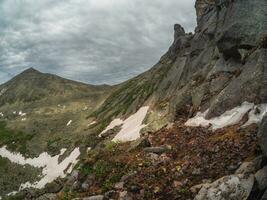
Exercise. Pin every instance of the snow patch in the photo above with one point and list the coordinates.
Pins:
(69, 123)
(85, 108)
(230, 117)
(256, 115)
(22, 114)
(51, 168)
(113, 124)
(131, 127)
(1, 114)
(23, 119)
(12, 193)
(92, 123)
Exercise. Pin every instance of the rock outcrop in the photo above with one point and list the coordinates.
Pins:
(218, 67)
(262, 135)
(229, 187)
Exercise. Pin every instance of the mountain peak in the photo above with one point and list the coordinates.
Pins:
(31, 70)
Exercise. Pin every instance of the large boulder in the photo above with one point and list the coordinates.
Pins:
(231, 187)
(261, 177)
(262, 135)
(264, 197)
(250, 167)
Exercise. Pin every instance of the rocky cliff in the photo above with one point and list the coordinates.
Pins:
(219, 69)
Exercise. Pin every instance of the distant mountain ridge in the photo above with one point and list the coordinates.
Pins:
(32, 85)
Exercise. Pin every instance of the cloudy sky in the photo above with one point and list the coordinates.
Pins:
(94, 41)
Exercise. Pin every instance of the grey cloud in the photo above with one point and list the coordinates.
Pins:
(95, 41)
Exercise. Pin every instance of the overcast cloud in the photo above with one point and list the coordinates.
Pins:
(94, 41)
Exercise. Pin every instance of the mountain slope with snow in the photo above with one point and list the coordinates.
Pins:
(181, 130)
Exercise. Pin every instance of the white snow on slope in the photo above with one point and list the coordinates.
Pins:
(52, 169)
(22, 114)
(12, 193)
(131, 127)
(69, 122)
(1, 114)
(256, 114)
(230, 117)
(92, 123)
(113, 124)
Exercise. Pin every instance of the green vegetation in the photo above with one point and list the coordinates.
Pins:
(13, 175)
(111, 146)
(15, 140)
(106, 170)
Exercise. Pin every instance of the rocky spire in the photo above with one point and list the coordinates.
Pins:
(178, 31)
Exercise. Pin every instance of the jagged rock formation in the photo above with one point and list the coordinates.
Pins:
(219, 67)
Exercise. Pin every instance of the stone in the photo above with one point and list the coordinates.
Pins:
(128, 176)
(261, 178)
(97, 197)
(125, 196)
(196, 171)
(47, 197)
(229, 187)
(142, 142)
(250, 167)
(196, 188)
(178, 185)
(88, 182)
(73, 177)
(53, 187)
(157, 150)
(262, 135)
(119, 185)
(110, 194)
(264, 196)
(76, 186)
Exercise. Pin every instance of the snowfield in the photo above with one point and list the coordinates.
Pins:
(131, 127)
(51, 168)
(230, 117)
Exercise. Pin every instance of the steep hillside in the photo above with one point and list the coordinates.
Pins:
(46, 105)
(216, 76)
(219, 67)
(43, 113)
